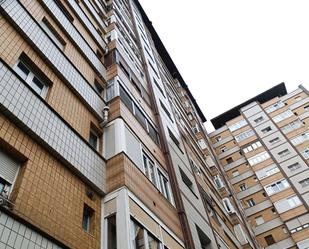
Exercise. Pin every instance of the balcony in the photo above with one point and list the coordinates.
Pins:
(223, 192)
(213, 170)
(234, 219)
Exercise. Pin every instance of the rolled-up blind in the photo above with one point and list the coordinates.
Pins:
(8, 167)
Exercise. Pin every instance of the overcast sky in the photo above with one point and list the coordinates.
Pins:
(231, 50)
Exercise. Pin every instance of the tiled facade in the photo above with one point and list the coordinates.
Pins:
(102, 144)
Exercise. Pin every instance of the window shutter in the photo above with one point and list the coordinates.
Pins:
(8, 167)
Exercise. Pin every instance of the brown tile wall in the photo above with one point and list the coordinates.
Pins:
(49, 195)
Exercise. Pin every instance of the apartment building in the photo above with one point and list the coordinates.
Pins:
(263, 147)
(102, 144)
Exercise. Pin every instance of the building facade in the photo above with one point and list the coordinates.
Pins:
(262, 146)
(102, 144)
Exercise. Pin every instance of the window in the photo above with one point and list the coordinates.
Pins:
(252, 146)
(294, 166)
(228, 205)
(282, 116)
(235, 173)
(229, 160)
(259, 220)
(261, 157)
(250, 202)
(164, 186)
(238, 125)
(284, 153)
(277, 187)
(258, 120)
(88, 216)
(274, 107)
(31, 79)
(306, 107)
(111, 232)
(242, 187)
(139, 115)
(93, 139)
(268, 171)
(202, 144)
(99, 89)
(274, 140)
(294, 201)
(265, 130)
(53, 34)
(156, 175)
(291, 126)
(195, 129)
(305, 153)
(158, 86)
(204, 240)
(269, 240)
(298, 98)
(223, 149)
(218, 138)
(149, 168)
(186, 180)
(174, 139)
(300, 138)
(304, 183)
(218, 182)
(287, 204)
(8, 172)
(244, 135)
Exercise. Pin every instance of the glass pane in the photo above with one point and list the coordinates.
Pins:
(152, 172)
(152, 242)
(153, 134)
(137, 236)
(22, 70)
(125, 98)
(140, 117)
(37, 85)
(112, 237)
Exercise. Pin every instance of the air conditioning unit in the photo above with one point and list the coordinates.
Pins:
(228, 206)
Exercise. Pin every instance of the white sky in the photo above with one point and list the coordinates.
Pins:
(229, 51)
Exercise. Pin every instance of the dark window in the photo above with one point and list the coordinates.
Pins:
(158, 86)
(153, 134)
(269, 240)
(88, 215)
(99, 89)
(140, 117)
(204, 240)
(229, 160)
(93, 140)
(175, 140)
(186, 180)
(111, 233)
(267, 129)
(125, 98)
(166, 111)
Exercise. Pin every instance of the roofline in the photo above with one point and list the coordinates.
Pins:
(276, 91)
(167, 58)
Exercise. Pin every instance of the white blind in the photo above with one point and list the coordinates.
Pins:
(8, 167)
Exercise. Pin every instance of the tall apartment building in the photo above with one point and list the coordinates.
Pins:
(263, 147)
(102, 144)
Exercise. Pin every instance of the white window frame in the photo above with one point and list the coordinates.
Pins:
(261, 157)
(30, 77)
(244, 135)
(276, 187)
(282, 116)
